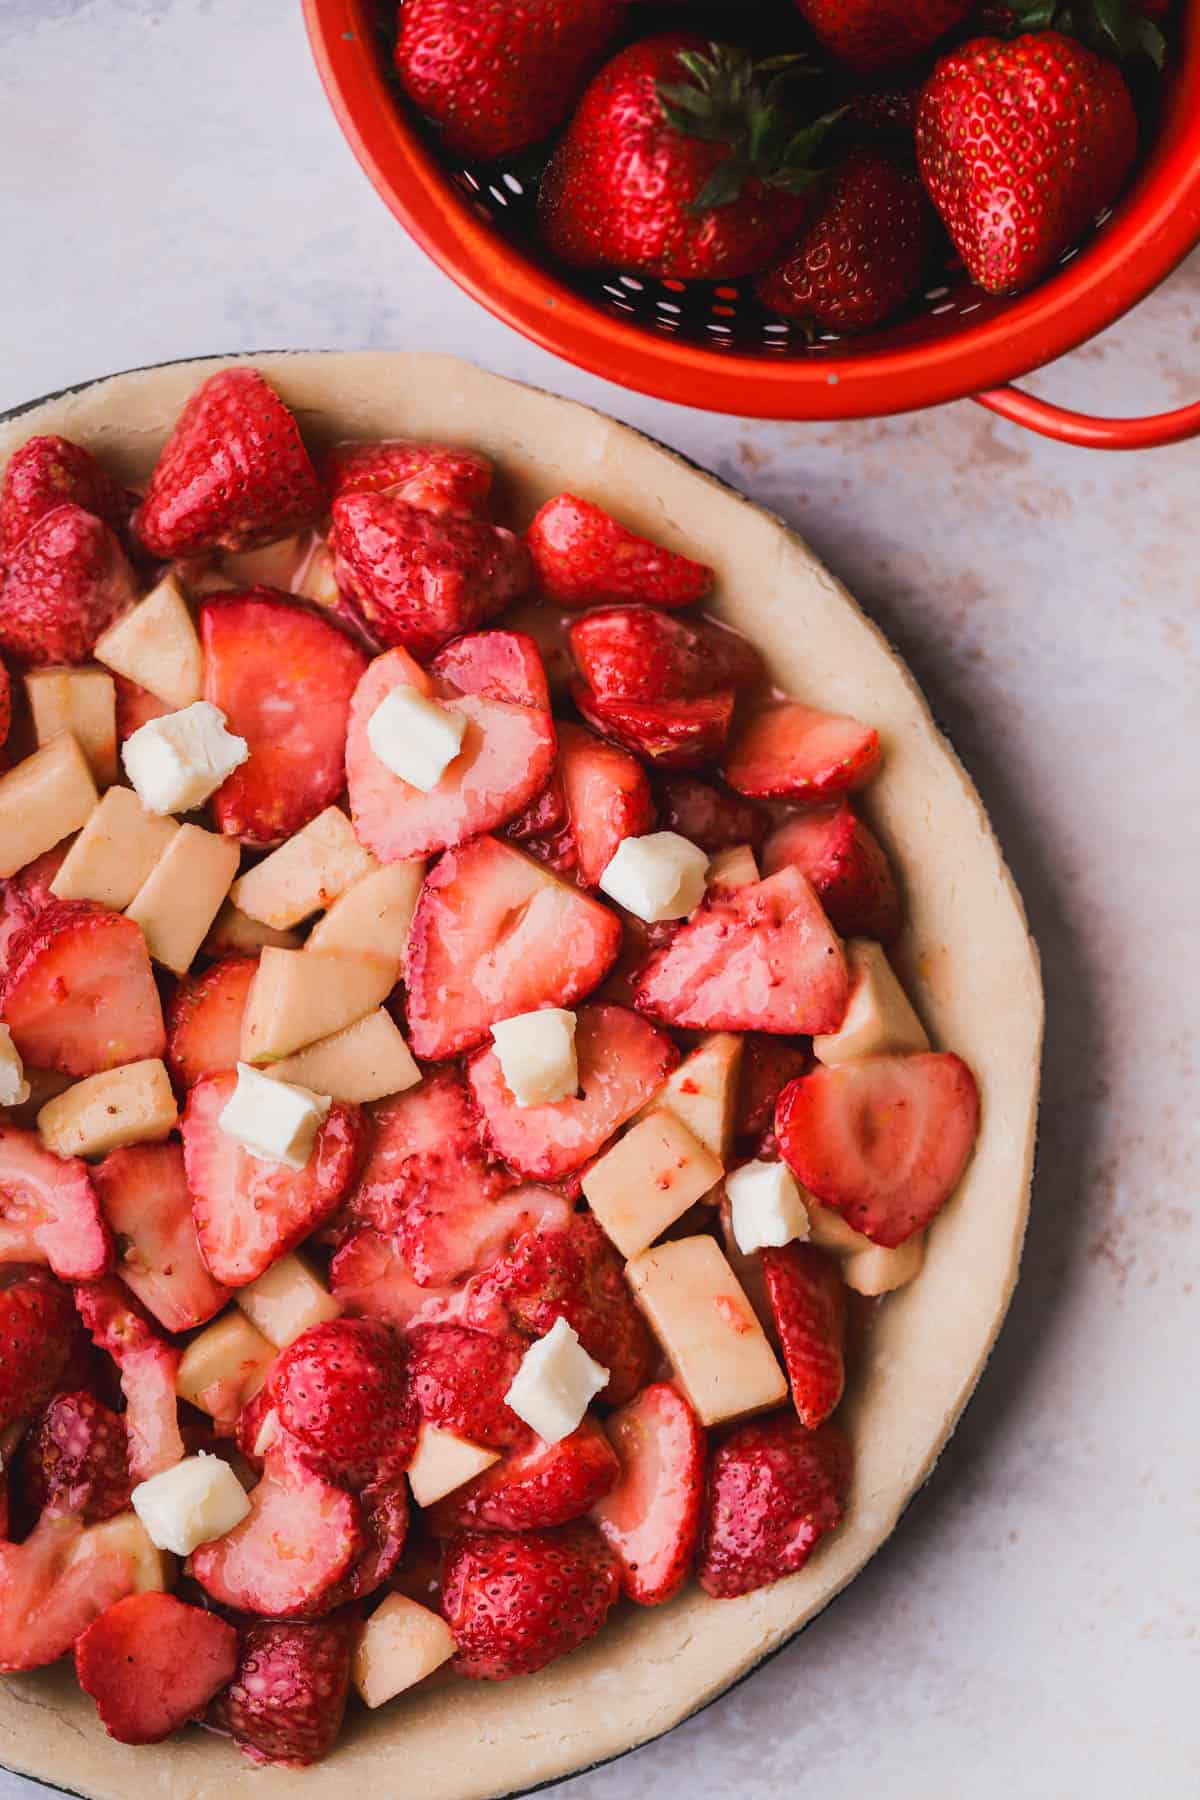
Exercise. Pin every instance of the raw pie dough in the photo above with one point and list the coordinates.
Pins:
(968, 963)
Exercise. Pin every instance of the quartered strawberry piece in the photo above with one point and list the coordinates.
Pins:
(774, 1490)
(642, 653)
(288, 1694)
(54, 1584)
(605, 799)
(49, 472)
(583, 557)
(145, 1198)
(385, 1516)
(148, 1366)
(65, 582)
(370, 1277)
(651, 1518)
(79, 994)
(39, 1335)
(845, 863)
(622, 1059)
(672, 734)
(460, 1377)
(136, 706)
(494, 935)
(24, 896)
(431, 476)
(76, 1460)
(151, 1663)
(882, 1141)
(248, 1212)
(49, 1211)
(284, 678)
(232, 475)
(504, 1594)
(768, 1064)
(506, 757)
(756, 958)
(790, 751)
(536, 1486)
(808, 1302)
(204, 1019)
(420, 578)
(708, 816)
(341, 1390)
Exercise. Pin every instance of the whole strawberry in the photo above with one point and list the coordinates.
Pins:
(48, 472)
(873, 34)
(516, 1600)
(66, 581)
(342, 1389)
(286, 1700)
(1021, 142)
(499, 75)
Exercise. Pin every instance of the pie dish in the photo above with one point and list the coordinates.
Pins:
(931, 1339)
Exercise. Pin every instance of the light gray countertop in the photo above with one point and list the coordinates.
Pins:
(172, 183)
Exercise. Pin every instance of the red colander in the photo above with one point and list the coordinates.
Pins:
(710, 345)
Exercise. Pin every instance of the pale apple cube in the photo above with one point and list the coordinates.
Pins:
(555, 1384)
(415, 737)
(134, 1104)
(83, 702)
(43, 800)
(179, 899)
(829, 1231)
(373, 917)
(367, 1061)
(876, 1271)
(177, 761)
(155, 644)
(191, 1503)
(306, 874)
(233, 932)
(703, 1091)
(659, 876)
(701, 1316)
(274, 1121)
(271, 565)
(124, 1536)
(298, 997)
(115, 852)
(733, 868)
(402, 1642)
(14, 1089)
(536, 1053)
(316, 577)
(766, 1205)
(224, 1366)
(879, 1018)
(286, 1300)
(443, 1461)
(648, 1180)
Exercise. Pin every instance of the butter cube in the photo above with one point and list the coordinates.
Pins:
(659, 876)
(155, 644)
(299, 996)
(732, 868)
(114, 853)
(14, 1089)
(766, 1206)
(178, 901)
(224, 1366)
(876, 1271)
(703, 1091)
(273, 1120)
(648, 1180)
(233, 931)
(879, 1018)
(367, 1061)
(536, 1053)
(191, 1503)
(402, 1642)
(306, 874)
(700, 1314)
(373, 917)
(555, 1384)
(444, 1461)
(175, 762)
(130, 1105)
(83, 702)
(415, 737)
(43, 800)
(286, 1300)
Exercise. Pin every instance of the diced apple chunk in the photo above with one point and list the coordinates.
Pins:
(130, 1105)
(701, 1316)
(297, 998)
(234, 933)
(224, 1366)
(271, 565)
(443, 1462)
(876, 1271)
(401, 1643)
(83, 702)
(286, 1300)
(316, 577)
(367, 1061)
(373, 917)
(114, 853)
(879, 1019)
(703, 1090)
(734, 867)
(155, 644)
(43, 800)
(306, 874)
(648, 1180)
(829, 1231)
(180, 898)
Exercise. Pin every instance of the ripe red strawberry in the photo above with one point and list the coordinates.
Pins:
(651, 1519)
(48, 472)
(755, 958)
(605, 797)
(79, 994)
(494, 935)
(136, 706)
(151, 1663)
(65, 582)
(790, 751)
(148, 1366)
(672, 734)
(460, 1377)
(774, 1490)
(808, 1302)
(232, 475)
(53, 1585)
(431, 476)
(516, 1600)
(623, 1060)
(419, 578)
(76, 1460)
(385, 1517)
(543, 823)
(145, 1199)
(583, 557)
(874, 34)
(342, 1390)
(536, 1486)
(288, 1694)
(370, 1277)
(643, 653)
(847, 866)
(498, 665)
(284, 678)
(885, 114)
(444, 1237)
(49, 1212)
(38, 1336)
(1021, 142)
(706, 815)
(768, 1064)
(204, 1019)
(23, 896)
(249, 1212)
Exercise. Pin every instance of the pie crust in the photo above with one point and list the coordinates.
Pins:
(968, 963)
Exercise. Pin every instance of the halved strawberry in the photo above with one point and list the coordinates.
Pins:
(445, 1236)
(232, 475)
(642, 653)
(494, 935)
(542, 823)
(756, 958)
(48, 472)
(790, 751)
(151, 1663)
(136, 706)
(671, 734)
(204, 1019)
(385, 1516)
(638, 943)
(248, 1212)
(79, 995)
(145, 1198)
(39, 1335)
(370, 1278)
(707, 815)
(768, 1064)
(421, 578)
(23, 896)
(284, 678)
(148, 1366)
(808, 1301)
(517, 1600)
(66, 581)
(288, 1694)
(431, 476)
(622, 1059)
(76, 1460)
(774, 1490)
(460, 1377)
(49, 1211)
(506, 757)
(606, 798)
(583, 557)
(846, 865)
(535, 1486)
(651, 1519)
(882, 1141)
(341, 1390)
(54, 1584)
(497, 665)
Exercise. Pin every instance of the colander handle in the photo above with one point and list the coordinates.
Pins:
(1092, 434)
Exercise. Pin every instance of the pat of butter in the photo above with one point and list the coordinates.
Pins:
(660, 876)
(555, 1384)
(766, 1206)
(536, 1053)
(414, 737)
(177, 761)
(274, 1120)
(190, 1504)
(14, 1089)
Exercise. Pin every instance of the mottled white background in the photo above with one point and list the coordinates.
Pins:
(171, 183)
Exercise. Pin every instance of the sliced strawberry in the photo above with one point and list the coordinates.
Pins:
(708, 816)
(385, 1516)
(671, 734)
(642, 653)
(606, 798)
(54, 1584)
(67, 580)
(506, 757)
(421, 578)
(756, 958)
(24, 896)
(882, 1141)
(38, 1337)
(430, 476)
(288, 1695)
(341, 1389)
(791, 751)
(768, 1064)
(460, 1377)
(76, 1460)
(204, 1019)
(444, 1236)
(517, 1600)
(248, 1212)
(148, 1366)
(79, 995)
(622, 1060)
(370, 1277)
(651, 1519)
(48, 472)
(638, 942)
(845, 863)
(145, 1198)
(583, 557)
(48, 1210)
(284, 678)
(537, 1485)
(494, 935)
(544, 818)
(136, 706)
(151, 1663)
(774, 1490)
(232, 475)
(808, 1301)
(497, 665)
